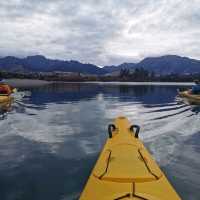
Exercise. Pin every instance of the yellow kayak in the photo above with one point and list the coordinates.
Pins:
(125, 170)
(186, 94)
(5, 98)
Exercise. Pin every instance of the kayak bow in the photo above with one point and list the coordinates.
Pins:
(187, 95)
(5, 98)
(125, 170)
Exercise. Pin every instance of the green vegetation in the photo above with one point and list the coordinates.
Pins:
(142, 75)
(125, 75)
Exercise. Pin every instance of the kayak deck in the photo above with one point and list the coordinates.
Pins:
(189, 96)
(125, 170)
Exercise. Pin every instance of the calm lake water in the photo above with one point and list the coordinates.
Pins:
(52, 136)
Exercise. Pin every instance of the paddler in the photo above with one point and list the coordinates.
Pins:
(196, 88)
(5, 89)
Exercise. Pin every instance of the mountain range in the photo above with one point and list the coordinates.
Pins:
(162, 65)
(39, 63)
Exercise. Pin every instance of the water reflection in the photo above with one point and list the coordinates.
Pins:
(72, 92)
(51, 138)
(196, 109)
(4, 108)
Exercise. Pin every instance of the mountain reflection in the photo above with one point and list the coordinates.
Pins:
(51, 138)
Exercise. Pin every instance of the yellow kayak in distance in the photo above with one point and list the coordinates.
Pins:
(5, 98)
(192, 98)
(125, 169)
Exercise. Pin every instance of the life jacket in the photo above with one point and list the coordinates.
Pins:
(5, 89)
(196, 89)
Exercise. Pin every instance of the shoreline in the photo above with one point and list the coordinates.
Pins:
(130, 83)
(21, 83)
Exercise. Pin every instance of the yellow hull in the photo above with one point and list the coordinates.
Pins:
(193, 98)
(5, 98)
(125, 170)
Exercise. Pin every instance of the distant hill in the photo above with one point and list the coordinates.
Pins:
(113, 68)
(170, 64)
(162, 65)
(39, 63)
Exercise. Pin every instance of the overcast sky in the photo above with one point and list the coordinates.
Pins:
(102, 32)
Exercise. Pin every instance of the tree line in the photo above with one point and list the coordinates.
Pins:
(138, 75)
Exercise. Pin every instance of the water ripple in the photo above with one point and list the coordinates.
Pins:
(51, 132)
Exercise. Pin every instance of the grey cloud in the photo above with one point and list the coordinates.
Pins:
(100, 32)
